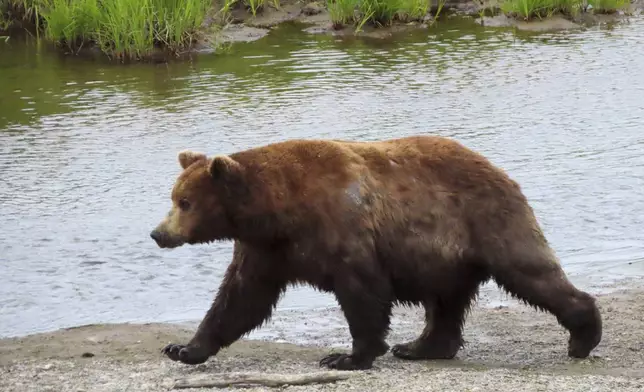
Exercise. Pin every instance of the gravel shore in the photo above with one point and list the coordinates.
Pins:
(508, 348)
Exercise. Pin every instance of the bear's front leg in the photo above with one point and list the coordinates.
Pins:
(365, 299)
(246, 298)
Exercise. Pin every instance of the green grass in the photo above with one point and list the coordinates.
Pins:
(376, 12)
(178, 20)
(412, 9)
(70, 23)
(254, 5)
(342, 12)
(530, 9)
(123, 29)
(228, 5)
(608, 6)
(14, 12)
(379, 12)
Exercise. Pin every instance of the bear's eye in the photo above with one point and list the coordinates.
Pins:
(184, 204)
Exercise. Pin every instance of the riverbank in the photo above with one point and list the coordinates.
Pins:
(507, 349)
(528, 15)
(169, 29)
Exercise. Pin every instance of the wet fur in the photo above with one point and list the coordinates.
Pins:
(417, 221)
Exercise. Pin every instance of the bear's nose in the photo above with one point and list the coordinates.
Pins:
(156, 235)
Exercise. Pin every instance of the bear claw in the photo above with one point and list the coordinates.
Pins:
(344, 362)
(411, 351)
(402, 351)
(185, 354)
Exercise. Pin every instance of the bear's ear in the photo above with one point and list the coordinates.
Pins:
(187, 158)
(223, 166)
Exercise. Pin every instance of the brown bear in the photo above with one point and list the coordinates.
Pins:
(417, 220)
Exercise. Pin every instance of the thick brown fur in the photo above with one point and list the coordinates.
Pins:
(416, 220)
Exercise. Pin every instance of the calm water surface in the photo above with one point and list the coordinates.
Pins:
(88, 152)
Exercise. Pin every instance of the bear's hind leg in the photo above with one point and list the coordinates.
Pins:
(366, 303)
(543, 284)
(442, 336)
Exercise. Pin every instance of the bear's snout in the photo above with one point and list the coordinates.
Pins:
(157, 236)
(165, 239)
(161, 238)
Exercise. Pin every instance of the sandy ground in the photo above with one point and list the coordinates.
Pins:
(507, 348)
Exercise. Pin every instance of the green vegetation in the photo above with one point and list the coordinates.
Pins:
(529, 9)
(123, 29)
(416, 9)
(13, 12)
(378, 12)
(255, 5)
(608, 6)
(341, 12)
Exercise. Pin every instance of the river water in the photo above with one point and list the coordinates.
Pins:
(88, 152)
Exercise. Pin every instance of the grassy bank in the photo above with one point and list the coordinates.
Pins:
(380, 12)
(123, 29)
(139, 29)
(384, 12)
(531, 9)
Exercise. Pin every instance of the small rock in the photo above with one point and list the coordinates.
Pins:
(48, 366)
(87, 355)
(312, 8)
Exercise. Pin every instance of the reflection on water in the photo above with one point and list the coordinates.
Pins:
(88, 151)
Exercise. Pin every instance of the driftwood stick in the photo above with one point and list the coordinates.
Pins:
(269, 380)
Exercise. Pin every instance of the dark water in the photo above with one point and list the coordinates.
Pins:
(88, 151)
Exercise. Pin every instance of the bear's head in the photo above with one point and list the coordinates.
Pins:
(200, 197)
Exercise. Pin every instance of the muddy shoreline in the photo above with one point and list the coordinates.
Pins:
(507, 347)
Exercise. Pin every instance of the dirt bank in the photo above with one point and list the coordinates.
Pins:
(507, 349)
